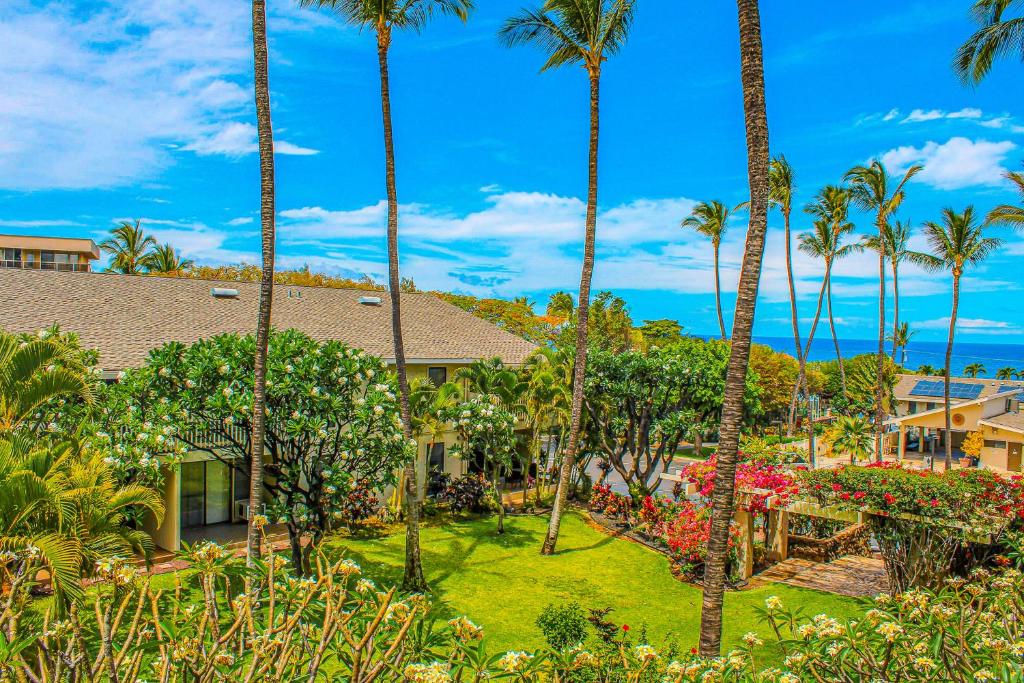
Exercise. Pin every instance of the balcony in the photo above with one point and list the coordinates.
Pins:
(49, 265)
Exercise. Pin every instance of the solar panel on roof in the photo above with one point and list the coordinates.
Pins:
(935, 388)
(1010, 387)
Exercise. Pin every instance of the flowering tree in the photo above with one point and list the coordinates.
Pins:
(332, 422)
(642, 404)
(775, 479)
(488, 429)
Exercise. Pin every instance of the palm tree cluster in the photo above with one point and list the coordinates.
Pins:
(133, 252)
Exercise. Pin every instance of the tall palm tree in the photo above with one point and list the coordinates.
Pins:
(959, 242)
(710, 220)
(901, 336)
(576, 33)
(830, 210)
(265, 134)
(782, 186)
(996, 37)
(129, 246)
(1006, 373)
(164, 260)
(869, 189)
(383, 17)
(1010, 214)
(723, 498)
(974, 369)
(896, 241)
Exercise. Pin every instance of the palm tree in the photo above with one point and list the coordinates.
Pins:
(576, 33)
(958, 242)
(974, 369)
(869, 189)
(33, 374)
(383, 17)
(852, 436)
(929, 370)
(830, 209)
(164, 260)
(996, 37)
(427, 405)
(560, 305)
(896, 241)
(548, 398)
(265, 135)
(129, 248)
(1006, 373)
(710, 220)
(780, 177)
(1009, 214)
(723, 498)
(900, 338)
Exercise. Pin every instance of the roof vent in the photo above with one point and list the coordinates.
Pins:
(223, 293)
(370, 300)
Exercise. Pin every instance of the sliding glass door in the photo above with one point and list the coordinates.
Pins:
(205, 493)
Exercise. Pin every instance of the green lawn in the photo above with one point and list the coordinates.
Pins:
(502, 583)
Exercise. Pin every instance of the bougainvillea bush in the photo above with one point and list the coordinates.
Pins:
(924, 522)
(758, 474)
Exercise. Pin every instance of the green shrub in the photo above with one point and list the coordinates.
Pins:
(563, 626)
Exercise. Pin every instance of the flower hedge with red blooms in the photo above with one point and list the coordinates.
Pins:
(607, 502)
(749, 475)
(967, 496)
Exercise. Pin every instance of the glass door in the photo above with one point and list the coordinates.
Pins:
(193, 494)
(218, 492)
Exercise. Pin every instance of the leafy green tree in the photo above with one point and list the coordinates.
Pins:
(513, 316)
(662, 331)
(486, 428)
(561, 305)
(548, 399)
(959, 242)
(427, 406)
(777, 375)
(129, 247)
(576, 33)
(711, 220)
(1006, 373)
(642, 404)
(332, 421)
(609, 322)
(383, 17)
(492, 377)
(830, 210)
(164, 260)
(996, 36)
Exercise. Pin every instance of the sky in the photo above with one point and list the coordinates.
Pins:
(142, 109)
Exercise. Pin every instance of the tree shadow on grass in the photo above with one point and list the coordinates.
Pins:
(583, 548)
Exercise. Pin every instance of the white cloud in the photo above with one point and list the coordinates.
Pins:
(237, 139)
(6, 223)
(892, 114)
(241, 220)
(491, 188)
(106, 94)
(974, 325)
(954, 164)
(919, 115)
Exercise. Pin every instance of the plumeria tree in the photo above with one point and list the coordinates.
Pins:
(486, 429)
(332, 422)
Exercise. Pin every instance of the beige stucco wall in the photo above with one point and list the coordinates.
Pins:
(168, 534)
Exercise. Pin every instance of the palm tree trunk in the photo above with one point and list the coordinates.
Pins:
(718, 295)
(413, 580)
(880, 361)
(801, 360)
(835, 339)
(895, 308)
(723, 498)
(582, 316)
(265, 133)
(948, 438)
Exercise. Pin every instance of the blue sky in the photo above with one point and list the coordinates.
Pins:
(142, 109)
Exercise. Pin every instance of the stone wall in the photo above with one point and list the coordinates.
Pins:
(853, 540)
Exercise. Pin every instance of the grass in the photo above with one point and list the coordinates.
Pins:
(502, 583)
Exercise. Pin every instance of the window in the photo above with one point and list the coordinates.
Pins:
(46, 260)
(931, 406)
(911, 407)
(995, 444)
(10, 258)
(437, 376)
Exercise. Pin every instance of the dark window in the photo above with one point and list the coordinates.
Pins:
(10, 258)
(435, 458)
(994, 444)
(438, 376)
(911, 407)
(931, 406)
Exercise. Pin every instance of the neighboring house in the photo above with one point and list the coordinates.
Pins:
(125, 316)
(989, 406)
(47, 253)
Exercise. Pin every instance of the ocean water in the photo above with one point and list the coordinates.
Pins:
(992, 356)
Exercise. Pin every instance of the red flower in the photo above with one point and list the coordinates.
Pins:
(837, 487)
(625, 627)
(845, 496)
(693, 650)
(858, 495)
(889, 498)
(934, 503)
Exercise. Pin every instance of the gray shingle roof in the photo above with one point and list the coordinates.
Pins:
(126, 316)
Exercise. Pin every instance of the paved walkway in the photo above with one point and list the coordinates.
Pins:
(851, 575)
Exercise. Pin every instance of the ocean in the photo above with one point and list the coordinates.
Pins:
(992, 356)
